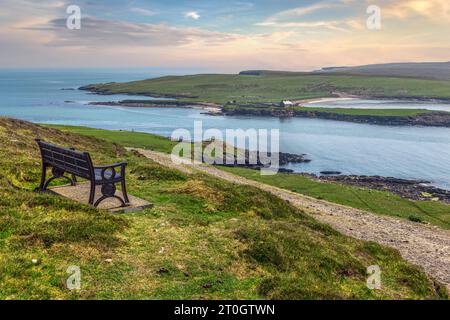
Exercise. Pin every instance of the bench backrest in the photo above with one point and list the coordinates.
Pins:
(69, 160)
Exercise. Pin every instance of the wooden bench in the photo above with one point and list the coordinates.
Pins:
(79, 164)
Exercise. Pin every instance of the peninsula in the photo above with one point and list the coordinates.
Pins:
(258, 93)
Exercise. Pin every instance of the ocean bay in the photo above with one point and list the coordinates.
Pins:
(402, 152)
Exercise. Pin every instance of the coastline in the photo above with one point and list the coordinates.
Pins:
(416, 190)
(422, 118)
(409, 189)
(428, 118)
(210, 107)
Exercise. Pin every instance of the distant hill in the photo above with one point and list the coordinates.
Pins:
(271, 73)
(425, 70)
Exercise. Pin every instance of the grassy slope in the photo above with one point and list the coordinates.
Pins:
(126, 138)
(274, 88)
(376, 201)
(204, 239)
(371, 200)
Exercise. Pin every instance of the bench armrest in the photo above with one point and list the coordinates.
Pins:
(115, 165)
(112, 171)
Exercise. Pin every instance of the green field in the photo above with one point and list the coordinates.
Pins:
(204, 239)
(371, 200)
(221, 89)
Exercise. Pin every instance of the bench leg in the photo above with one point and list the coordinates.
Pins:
(57, 173)
(106, 197)
(57, 177)
(109, 191)
(124, 192)
(92, 194)
(74, 180)
(43, 177)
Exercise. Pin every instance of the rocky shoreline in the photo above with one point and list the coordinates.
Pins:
(247, 158)
(419, 190)
(409, 189)
(431, 119)
(283, 158)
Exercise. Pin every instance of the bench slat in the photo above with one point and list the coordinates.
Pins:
(68, 160)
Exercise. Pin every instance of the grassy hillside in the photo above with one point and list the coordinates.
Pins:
(379, 202)
(276, 87)
(371, 200)
(126, 138)
(423, 70)
(204, 239)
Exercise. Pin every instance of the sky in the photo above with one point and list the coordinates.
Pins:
(222, 36)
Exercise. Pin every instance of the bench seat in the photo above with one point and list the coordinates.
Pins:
(107, 175)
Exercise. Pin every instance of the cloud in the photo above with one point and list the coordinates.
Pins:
(241, 5)
(21, 11)
(47, 3)
(34, 34)
(301, 11)
(96, 32)
(192, 14)
(437, 10)
(310, 9)
(144, 12)
(290, 18)
(343, 25)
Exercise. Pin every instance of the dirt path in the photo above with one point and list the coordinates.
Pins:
(423, 245)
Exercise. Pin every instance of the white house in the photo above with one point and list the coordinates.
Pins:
(287, 103)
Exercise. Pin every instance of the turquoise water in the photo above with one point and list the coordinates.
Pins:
(402, 152)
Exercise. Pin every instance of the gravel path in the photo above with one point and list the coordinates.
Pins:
(424, 245)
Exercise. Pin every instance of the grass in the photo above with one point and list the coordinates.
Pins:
(220, 88)
(204, 239)
(126, 138)
(379, 202)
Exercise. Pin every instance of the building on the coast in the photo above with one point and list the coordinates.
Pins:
(286, 103)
